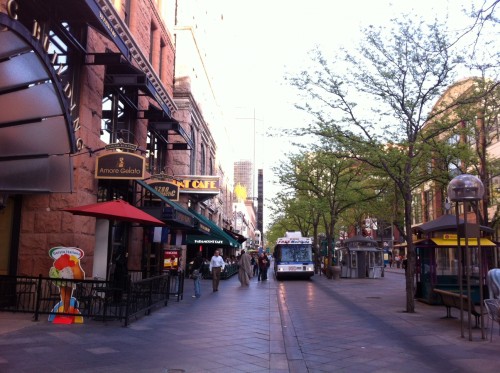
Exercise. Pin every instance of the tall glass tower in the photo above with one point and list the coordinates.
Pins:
(244, 175)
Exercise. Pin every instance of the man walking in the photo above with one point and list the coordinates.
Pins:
(216, 267)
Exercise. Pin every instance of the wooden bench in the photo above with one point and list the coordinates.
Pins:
(452, 299)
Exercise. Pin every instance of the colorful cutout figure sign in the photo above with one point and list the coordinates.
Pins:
(66, 266)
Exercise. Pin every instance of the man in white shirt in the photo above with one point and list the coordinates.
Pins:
(216, 267)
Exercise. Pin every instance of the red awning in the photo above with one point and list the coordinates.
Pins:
(116, 210)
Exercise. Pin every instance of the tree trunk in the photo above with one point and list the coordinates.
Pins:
(411, 256)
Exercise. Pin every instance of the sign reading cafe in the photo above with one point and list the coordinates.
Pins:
(120, 166)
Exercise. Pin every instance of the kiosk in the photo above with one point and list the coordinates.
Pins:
(437, 246)
(360, 257)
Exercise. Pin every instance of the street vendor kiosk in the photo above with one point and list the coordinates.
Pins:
(360, 257)
(437, 248)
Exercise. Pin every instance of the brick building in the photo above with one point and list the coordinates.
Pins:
(91, 111)
(429, 200)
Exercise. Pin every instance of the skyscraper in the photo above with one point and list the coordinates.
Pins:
(244, 175)
(260, 200)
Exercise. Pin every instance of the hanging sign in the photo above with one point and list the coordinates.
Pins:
(165, 188)
(120, 165)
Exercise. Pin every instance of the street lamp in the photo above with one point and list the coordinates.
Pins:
(467, 189)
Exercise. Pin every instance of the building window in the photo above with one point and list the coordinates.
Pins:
(203, 163)
(119, 112)
(454, 165)
(494, 130)
(152, 48)
(156, 157)
(127, 12)
(162, 60)
(68, 61)
(417, 208)
(192, 160)
(428, 208)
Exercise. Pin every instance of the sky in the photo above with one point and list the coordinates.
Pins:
(264, 40)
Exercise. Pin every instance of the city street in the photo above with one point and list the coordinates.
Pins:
(346, 325)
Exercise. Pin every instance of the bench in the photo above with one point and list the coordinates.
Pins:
(452, 299)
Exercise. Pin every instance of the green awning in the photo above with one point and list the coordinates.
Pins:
(216, 234)
(172, 212)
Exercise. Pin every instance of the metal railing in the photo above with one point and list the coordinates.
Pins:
(74, 300)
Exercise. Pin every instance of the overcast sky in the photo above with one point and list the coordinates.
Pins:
(267, 39)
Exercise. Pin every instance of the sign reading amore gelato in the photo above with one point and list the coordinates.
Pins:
(120, 166)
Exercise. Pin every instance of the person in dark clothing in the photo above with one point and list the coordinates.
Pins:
(262, 267)
(255, 265)
(196, 274)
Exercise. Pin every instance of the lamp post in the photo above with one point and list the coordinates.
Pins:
(467, 189)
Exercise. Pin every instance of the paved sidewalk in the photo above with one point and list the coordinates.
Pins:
(346, 325)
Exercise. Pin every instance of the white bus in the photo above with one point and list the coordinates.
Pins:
(293, 256)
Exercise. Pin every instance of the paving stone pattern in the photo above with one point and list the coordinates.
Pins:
(346, 325)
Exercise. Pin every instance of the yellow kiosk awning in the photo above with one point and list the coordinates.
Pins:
(453, 242)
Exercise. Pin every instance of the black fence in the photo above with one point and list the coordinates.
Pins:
(229, 271)
(67, 301)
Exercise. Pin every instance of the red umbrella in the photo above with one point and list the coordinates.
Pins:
(116, 210)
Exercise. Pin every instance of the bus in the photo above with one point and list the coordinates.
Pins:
(293, 257)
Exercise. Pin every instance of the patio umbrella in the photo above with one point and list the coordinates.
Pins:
(116, 210)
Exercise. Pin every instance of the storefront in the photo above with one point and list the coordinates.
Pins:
(216, 239)
(179, 223)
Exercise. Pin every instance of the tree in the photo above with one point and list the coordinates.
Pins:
(335, 184)
(375, 103)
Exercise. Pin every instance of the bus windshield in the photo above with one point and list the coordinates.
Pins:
(296, 253)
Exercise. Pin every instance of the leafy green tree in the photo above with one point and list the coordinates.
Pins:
(376, 102)
(335, 184)
(293, 211)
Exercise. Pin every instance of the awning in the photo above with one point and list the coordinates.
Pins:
(216, 233)
(159, 122)
(120, 73)
(472, 242)
(236, 236)
(172, 212)
(36, 128)
(99, 14)
(101, 21)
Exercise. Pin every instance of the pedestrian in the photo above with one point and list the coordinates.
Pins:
(216, 267)
(405, 263)
(262, 267)
(245, 269)
(196, 273)
(255, 264)
(398, 261)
